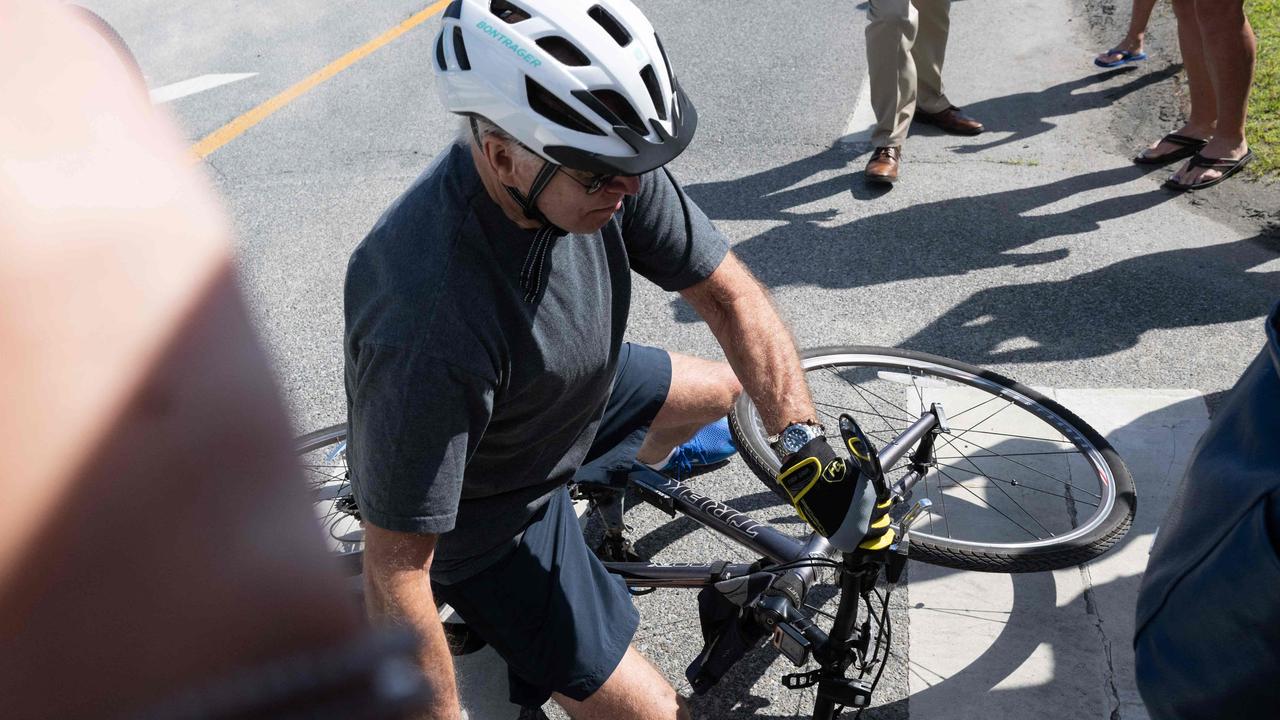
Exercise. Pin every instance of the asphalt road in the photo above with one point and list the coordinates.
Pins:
(1035, 248)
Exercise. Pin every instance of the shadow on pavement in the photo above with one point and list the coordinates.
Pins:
(1103, 613)
(1026, 114)
(1089, 315)
(1107, 310)
(935, 239)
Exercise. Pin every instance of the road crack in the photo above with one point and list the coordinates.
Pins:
(1100, 627)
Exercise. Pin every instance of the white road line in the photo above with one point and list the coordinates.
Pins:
(168, 93)
(863, 120)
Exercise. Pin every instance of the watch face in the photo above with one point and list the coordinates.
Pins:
(795, 437)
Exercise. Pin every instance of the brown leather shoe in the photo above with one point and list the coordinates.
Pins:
(883, 165)
(951, 120)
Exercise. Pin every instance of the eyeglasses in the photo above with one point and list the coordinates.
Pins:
(591, 181)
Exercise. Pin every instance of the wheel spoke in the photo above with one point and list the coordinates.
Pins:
(991, 452)
(981, 473)
(946, 518)
(993, 507)
(993, 398)
(906, 413)
(1014, 483)
(1018, 437)
(837, 409)
(314, 482)
(1016, 454)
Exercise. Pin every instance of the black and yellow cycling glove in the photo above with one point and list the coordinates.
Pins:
(845, 501)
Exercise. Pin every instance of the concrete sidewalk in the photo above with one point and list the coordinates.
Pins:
(1054, 645)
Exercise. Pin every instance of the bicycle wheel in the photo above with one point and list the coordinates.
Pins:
(1018, 483)
(323, 458)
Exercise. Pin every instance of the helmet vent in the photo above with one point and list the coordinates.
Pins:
(671, 77)
(564, 51)
(623, 109)
(460, 49)
(508, 12)
(650, 79)
(554, 109)
(610, 25)
(440, 53)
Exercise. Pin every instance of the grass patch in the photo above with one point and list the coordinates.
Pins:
(1263, 126)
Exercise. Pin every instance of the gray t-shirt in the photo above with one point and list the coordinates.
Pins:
(472, 393)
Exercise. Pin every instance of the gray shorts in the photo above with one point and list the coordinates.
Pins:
(549, 607)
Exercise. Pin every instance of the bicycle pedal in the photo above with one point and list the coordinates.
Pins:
(617, 549)
(800, 681)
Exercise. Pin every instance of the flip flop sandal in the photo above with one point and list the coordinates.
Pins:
(1126, 56)
(1228, 166)
(1187, 146)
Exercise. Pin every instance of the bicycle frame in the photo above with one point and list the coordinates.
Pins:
(833, 651)
(674, 496)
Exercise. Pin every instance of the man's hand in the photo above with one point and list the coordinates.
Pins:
(843, 500)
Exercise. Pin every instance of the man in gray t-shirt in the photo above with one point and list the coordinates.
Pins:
(485, 361)
(453, 372)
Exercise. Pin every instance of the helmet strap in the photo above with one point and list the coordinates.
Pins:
(533, 275)
(534, 270)
(529, 203)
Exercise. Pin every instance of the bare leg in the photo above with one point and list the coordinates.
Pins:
(1229, 48)
(1137, 35)
(701, 391)
(1204, 105)
(635, 691)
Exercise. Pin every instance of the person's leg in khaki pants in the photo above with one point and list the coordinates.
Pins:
(929, 53)
(891, 34)
(906, 47)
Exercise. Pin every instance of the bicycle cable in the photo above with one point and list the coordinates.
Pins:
(888, 647)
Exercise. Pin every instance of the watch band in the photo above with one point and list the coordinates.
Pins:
(808, 428)
(772, 439)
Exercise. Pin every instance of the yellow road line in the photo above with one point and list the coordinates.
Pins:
(235, 128)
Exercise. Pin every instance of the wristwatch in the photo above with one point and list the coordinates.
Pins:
(795, 436)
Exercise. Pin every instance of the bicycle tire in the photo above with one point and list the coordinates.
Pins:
(322, 458)
(1078, 543)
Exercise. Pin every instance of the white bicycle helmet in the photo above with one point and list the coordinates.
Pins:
(582, 83)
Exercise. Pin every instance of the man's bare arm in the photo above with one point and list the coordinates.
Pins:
(397, 587)
(756, 342)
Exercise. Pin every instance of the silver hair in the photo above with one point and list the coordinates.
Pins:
(485, 128)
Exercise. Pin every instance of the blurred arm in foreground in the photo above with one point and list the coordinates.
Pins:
(155, 539)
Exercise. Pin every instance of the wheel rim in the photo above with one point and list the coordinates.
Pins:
(323, 459)
(1036, 471)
